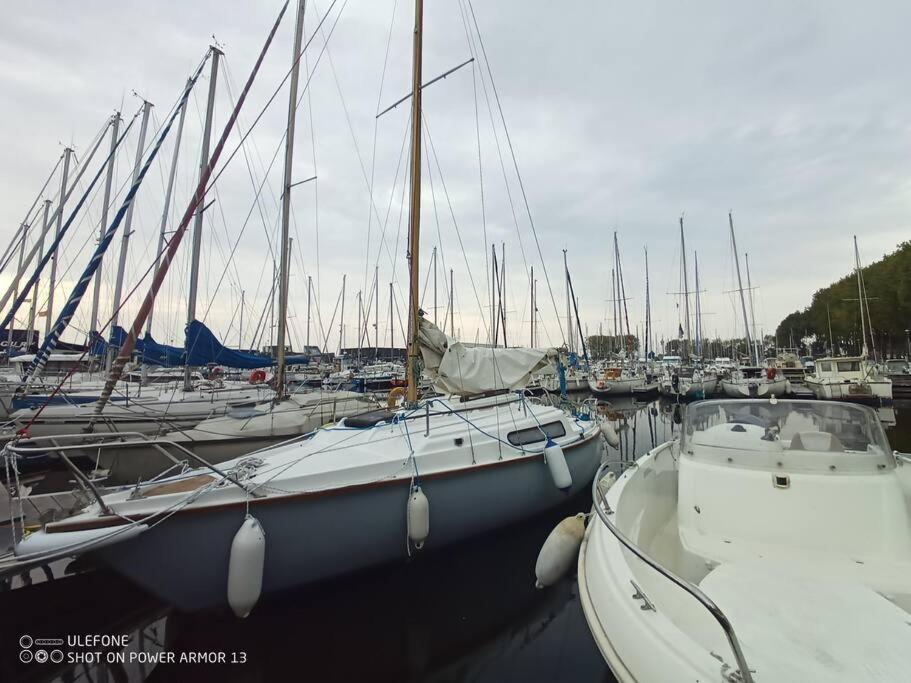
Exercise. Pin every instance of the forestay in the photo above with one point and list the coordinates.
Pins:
(467, 370)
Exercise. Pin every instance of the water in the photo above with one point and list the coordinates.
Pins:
(469, 613)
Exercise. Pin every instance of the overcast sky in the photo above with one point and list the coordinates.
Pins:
(622, 116)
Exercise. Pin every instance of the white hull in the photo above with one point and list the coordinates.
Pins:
(851, 391)
(754, 388)
(813, 572)
(623, 386)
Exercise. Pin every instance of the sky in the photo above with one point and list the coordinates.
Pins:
(618, 117)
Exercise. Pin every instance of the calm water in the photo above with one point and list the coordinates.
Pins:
(469, 613)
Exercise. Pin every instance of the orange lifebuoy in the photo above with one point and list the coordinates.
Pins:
(257, 377)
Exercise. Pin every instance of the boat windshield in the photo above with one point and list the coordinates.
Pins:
(809, 426)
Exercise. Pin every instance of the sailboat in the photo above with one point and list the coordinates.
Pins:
(751, 381)
(355, 494)
(624, 377)
(853, 378)
(688, 380)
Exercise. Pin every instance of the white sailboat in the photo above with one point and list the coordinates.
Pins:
(772, 542)
(355, 494)
(750, 381)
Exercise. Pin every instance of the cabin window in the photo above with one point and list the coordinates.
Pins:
(825, 367)
(849, 366)
(523, 437)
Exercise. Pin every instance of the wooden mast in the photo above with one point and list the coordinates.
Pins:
(285, 243)
(414, 231)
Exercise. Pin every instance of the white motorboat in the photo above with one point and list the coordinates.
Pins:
(754, 382)
(772, 542)
(849, 379)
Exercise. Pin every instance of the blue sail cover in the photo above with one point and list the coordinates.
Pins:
(154, 353)
(203, 348)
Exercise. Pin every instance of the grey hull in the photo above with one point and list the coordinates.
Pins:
(317, 536)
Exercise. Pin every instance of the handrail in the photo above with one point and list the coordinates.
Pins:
(157, 443)
(599, 498)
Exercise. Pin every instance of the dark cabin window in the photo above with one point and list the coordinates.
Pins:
(523, 437)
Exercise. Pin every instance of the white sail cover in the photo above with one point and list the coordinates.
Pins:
(467, 370)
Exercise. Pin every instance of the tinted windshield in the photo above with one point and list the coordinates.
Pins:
(854, 427)
(849, 366)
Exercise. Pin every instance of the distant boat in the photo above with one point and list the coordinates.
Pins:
(849, 379)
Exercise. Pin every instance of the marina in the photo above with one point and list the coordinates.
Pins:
(314, 368)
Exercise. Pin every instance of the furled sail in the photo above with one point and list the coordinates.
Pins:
(467, 370)
(154, 353)
(203, 348)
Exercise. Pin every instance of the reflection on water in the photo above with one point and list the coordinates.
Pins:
(467, 613)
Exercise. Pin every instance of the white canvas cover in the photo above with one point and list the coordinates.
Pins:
(466, 370)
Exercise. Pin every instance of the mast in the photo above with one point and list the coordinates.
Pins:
(391, 327)
(699, 304)
(360, 323)
(341, 322)
(434, 285)
(451, 306)
(285, 242)
(127, 231)
(743, 304)
(860, 299)
(831, 339)
(197, 218)
(52, 281)
(531, 317)
(309, 288)
(167, 204)
(746, 256)
(571, 332)
(648, 307)
(108, 182)
(686, 293)
(503, 291)
(414, 232)
(24, 233)
(376, 314)
(240, 327)
(33, 309)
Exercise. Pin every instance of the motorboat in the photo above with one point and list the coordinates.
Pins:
(790, 366)
(771, 542)
(853, 379)
(754, 382)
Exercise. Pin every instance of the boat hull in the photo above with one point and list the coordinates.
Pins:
(869, 391)
(615, 387)
(319, 535)
(754, 389)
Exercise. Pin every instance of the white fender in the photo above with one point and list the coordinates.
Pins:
(556, 463)
(559, 550)
(418, 517)
(245, 568)
(610, 434)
